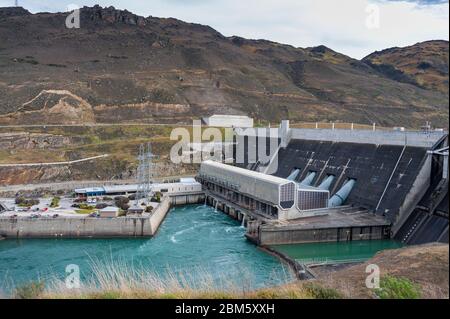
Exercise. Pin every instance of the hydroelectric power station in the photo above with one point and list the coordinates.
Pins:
(288, 186)
(325, 185)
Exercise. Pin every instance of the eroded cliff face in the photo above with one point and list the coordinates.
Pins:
(10, 142)
(52, 107)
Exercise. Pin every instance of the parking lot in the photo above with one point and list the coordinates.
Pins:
(43, 209)
(65, 208)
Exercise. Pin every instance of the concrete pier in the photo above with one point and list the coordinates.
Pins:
(146, 225)
(338, 224)
(75, 227)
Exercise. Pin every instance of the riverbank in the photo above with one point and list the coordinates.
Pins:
(411, 266)
(426, 266)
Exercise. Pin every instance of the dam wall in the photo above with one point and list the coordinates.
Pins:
(384, 174)
(379, 137)
(390, 176)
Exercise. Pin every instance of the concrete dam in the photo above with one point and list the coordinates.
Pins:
(378, 184)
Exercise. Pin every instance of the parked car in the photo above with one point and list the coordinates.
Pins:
(55, 216)
(94, 215)
(13, 216)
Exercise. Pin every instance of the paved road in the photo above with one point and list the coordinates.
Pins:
(55, 163)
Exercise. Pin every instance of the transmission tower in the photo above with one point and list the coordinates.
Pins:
(16, 3)
(144, 173)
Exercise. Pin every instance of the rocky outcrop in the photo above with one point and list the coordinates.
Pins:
(111, 15)
(13, 11)
(23, 140)
(54, 107)
(424, 64)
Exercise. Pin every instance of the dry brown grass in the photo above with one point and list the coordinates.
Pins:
(425, 265)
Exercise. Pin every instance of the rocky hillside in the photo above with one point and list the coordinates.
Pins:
(121, 67)
(424, 64)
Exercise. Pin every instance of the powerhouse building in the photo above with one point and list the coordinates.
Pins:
(271, 196)
(218, 120)
(326, 184)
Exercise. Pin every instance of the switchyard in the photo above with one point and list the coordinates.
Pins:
(325, 185)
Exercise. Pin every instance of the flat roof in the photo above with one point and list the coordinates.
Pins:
(261, 176)
(229, 116)
(133, 187)
(110, 209)
(245, 172)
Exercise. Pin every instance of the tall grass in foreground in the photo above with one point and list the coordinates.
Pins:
(119, 279)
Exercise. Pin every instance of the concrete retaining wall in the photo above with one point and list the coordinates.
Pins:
(75, 227)
(268, 236)
(159, 214)
(187, 199)
(417, 191)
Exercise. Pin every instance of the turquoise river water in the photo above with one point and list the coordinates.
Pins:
(192, 240)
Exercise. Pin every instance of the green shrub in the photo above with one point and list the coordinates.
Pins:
(23, 202)
(84, 211)
(318, 292)
(157, 197)
(55, 202)
(32, 290)
(122, 202)
(86, 207)
(19, 200)
(397, 288)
